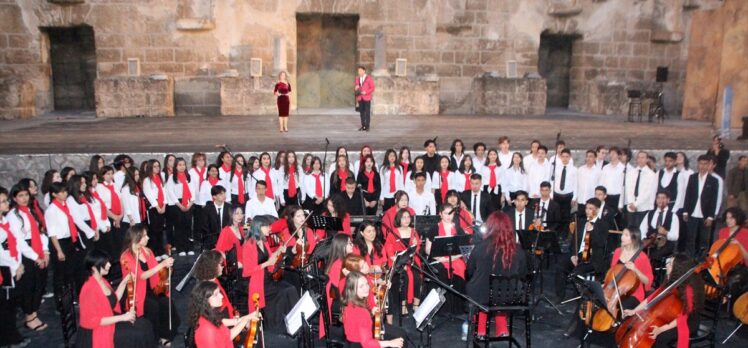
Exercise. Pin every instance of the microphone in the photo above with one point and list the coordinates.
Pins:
(327, 141)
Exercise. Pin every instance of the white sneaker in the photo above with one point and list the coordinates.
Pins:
(191, 253)
(182, 253)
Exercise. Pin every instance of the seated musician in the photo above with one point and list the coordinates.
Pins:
(352, 197)
(662, 222)
(597, 229)
(462, 214)
(335, 207)
(102, 322)
(630, 244)
(259, 265)
(368, 244)
(456, 276)
(402, 201)
(357, 316)
(405, 285)
(507, 258)
(207, 318)
(208, 268)
(735, 220)
(231, 238)
(691, 295)
(340, 247)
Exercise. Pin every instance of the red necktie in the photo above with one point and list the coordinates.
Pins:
(71, 223)
(291, 182)
(268, 182)
(39, 213)
(200, 175)
(160, 197)
(392, 179)
(405, 170)
(36, 239)
(444, 187)
(102, 206)
(317, 185)
(370, 178)
(91, 216)
(213, 181)
(492, 180)
(186, 194)
(343, 175)
(467, 181)
(116, 204)
(12, 248)
(240, 185)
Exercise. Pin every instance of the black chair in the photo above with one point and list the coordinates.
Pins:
(510, 296)
(334, 333)
(64, 298)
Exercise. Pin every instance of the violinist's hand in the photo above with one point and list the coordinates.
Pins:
(255, 315)
(376, 269)
(127, 277)
(244, 321)
(128, 317)
(574, 260)
(656, 331)
(168, 262)
(396, 343)
(628, 312)
(273, 258)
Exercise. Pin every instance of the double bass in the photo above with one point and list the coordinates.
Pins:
(663, 309)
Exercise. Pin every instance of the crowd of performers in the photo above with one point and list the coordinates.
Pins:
(648, 236)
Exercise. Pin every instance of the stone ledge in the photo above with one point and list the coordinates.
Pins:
(666, 36)
(508, 96)
(564, 10)
(195, 24)
(135, 96)
(247, 95)
(66, 2)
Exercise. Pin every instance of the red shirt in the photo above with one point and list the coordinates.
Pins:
(253, 270)
(394, 245)
(227, 241)
(210, 336)
(128, 262)
(741, 237)
(643, 265)
(358, 326)
(95, 306)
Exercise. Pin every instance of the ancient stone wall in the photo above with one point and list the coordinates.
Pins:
(406, 96)
(16, 99)
(504, 96)
(247, 96)
(619, 42)
(135, 96)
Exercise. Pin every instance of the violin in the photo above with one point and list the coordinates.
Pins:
(619, 282)
(586, 250)
(380, 296)
(663, 309)
(254, 325)
(727, 255)
(537, 225)
(130, 302)
(297, 261)
(164, 279)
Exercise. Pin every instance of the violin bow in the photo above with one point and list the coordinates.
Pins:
(169, 298)
(135, 286)
(618, 294)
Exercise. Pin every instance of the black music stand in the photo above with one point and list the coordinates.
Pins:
(449, 246)
(538, 243)
(327, 223)
(589, 291)
(426, 225)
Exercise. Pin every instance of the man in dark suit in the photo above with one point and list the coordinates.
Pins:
(597, 229)
(606, 211)
(548, 211)
(476, 200)
(699, 209)
(352, 197)
(520, 215)
(216, 216)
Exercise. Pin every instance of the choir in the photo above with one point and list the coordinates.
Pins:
(250, 220)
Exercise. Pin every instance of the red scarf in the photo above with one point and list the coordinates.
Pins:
(91, 216)
(40, 213)
(291, 181)
(492, 180)
(71, 223)
(268, 182)
(141, 204)
(12, 248)
(116, 204)
(226, 168)
(200, 175)
(317, 185)
(213, 181)
(444, 186)
(36, 239)
(405, 170)
(102, 206)
(156, 179)
(343, 175)
(186, 194)
(240, 185)
(467, 181)
(392, 178)
(370, 178)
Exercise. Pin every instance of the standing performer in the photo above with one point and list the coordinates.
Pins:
(281, 91)
(153, 190)
(314, 188)
(364, 89)
(291, 178)
(370, 183)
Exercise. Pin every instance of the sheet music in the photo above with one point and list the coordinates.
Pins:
(306, 305)
(432, 302)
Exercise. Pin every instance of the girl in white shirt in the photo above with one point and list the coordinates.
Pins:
(155, 196)
(315, 189)
(340, 151)
(237, 189)
(457, 151)
(516, 178)
(492, 175)
(462, 175)
(358, 166)
(180, 193)
(225, 163)
(405, 163)
(390, 170)
(132, 211)
(204, 195)
(50, 176)
(291, 178)
(418, 167)
(107, 192)
(100, 213)
(198, 172)
(265, 173)
(441, 180)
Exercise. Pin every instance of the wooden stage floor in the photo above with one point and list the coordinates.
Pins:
(85, 134)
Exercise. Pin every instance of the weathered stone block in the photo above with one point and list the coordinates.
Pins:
(134, 96)
(16, 99)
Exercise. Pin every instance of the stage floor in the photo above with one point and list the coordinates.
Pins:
(76, 133)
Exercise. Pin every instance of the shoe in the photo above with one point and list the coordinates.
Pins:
(191, 253)
(48, 295)
(182, 253)
(362, 129)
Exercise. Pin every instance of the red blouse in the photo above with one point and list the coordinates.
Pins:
(211, 336)
(684, 332)
(333, 278)
(741, 237)
(226, 305)
(227, 241)
(95, 306)
(388, 219)
(394, 245)
(643, 265)
(458, 265)
(358, 326)
(129, 264)
(253, 270)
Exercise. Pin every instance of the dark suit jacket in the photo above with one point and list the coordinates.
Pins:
(598, 239)
(485, 208)
(212, 224)
(708, 195)
(353, 205)
(609, 215)
(526, 219)
(553, 215)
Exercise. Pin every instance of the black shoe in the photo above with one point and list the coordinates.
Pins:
(366, 129)
(362, 129)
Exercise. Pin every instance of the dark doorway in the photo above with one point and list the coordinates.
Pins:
(554, 63)
(73, 57)
(326, 60)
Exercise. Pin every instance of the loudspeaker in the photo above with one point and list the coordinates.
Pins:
(662, 72)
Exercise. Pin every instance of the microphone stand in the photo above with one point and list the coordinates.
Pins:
(363, 204)
(323, 169)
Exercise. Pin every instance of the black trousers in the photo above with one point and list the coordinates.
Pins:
(9, 334)
(178, 227)
(105, 243)
(564, 268)
(292, 200)
(156, 310)
(117, 235)
(364, 109)
(696, 237)
(564, 202)
(32, 285)
(399, 291)
(156, 227)
(71, 270)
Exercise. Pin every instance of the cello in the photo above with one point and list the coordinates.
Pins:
(663, 309)
(255, 325)
(726, 256)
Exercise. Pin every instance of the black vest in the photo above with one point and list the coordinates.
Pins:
(666, 222)
(671, 188)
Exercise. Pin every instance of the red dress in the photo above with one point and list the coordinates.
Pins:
(227, 241)
(94, 306)
(358, 326)
(209, 335)
(394, 245)
(643, 265)
(129, 264)
(388, 219)
(254, 272)
(283, 101)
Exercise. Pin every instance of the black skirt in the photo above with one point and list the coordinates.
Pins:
(136, 335)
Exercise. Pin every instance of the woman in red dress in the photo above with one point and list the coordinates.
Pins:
(406, 284)
(281, 91)
(340, 247)
(456, 276)
(368, 244)
(207, 321)
(402, 201)
(208, 267)
(231, 238)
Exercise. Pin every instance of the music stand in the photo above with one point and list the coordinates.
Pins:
(545, 241)
(426, 225)
(449, 246)
(327, 223)
(589, 291)
(298, 317)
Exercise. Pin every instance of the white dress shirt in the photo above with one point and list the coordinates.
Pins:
(536, 174)
(667, 177)
(475, 207)
(611, 178)
(647, 188)
(21, 229)
(57, 222)
(254, 207)
(309, 185)
(119, 179)
(174, 191)
(515, 180)
(384, 176)
(505, 159)
(500, 178)
(570, 186)
(423, 203)
(130, 206)
(720, 192)
(672, 234)
(587, 180)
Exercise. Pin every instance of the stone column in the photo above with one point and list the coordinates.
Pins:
(380, 55)
(279, 55)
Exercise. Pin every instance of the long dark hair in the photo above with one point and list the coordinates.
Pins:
(26, 182)
(132, 184)
(74, 187)
(280, 158)
(233, 167)
(359, 241)
(682, 263)
(335, 176)
(413, 167)
(15, 190)
(290, 212)
(286, 166)
(165, 167)
(339, 205)
(147, 171)
(133, 235)
(93, 165)
(200, 305)
(386, 160)
(337, 250)
(48, 177)
(65, 172)
(174, 171)
(462, 168)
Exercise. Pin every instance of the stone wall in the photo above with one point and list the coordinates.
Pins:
(197, 96)
(406, 96)
(135, 96)
(16, 99)
(505, 96)
(248, 96)
(620, 42)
